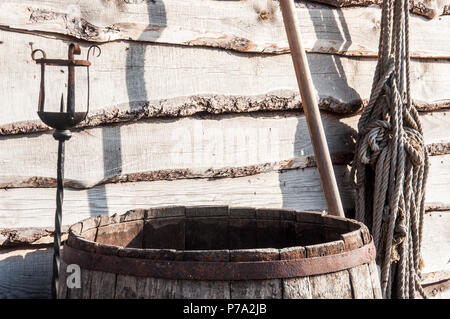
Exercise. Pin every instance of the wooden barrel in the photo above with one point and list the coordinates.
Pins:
(219, 252)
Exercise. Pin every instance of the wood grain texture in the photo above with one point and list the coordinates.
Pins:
(439, 290)
(361, 281)
(375, 277)
(244, 26)
(433, 277)
(157, 288)
(300, 189)
(38, 277)
(193, 147)
(132, 80)
(103, 285)
(297, 288)
(427, 8)
(295, 189)
(126, 287)
(436, 242)
(261, 289)
(35, 236)
(334, 285)
(193, 289)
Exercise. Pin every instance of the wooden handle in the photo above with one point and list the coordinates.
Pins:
(311, 110)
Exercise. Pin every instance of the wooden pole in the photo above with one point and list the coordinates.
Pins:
(311, 110)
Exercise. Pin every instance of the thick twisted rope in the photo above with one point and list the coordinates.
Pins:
(390, 167)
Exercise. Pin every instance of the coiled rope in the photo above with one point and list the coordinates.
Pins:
(390, 167)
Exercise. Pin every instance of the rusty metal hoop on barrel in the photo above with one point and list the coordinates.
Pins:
(221, 252)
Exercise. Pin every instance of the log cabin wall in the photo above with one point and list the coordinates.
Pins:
(196, 102)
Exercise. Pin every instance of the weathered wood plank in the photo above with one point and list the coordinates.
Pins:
(156, 288)
(334, 285)
(246, 26)
(299, 189)
(433, 277)
(375, 278)
(428, 8)
(194, 147)
(189, 147)
(437, 183)
(297, 288)
(126, 287)
(103, 285)
(296, 189)
(20, 237)
(125, 85)
(198, 289)
(436, 241)
(260, 289)
(439, 290)
(361, 282)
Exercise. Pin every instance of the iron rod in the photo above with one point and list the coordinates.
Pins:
(61, 137)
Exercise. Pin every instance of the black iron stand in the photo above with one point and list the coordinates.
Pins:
(62, 121)
(61, 136)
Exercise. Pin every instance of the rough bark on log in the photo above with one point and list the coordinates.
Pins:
(185, 80)
(427, 8)
(297, 189)
(19, 237)
(245, 26)
(195, 147)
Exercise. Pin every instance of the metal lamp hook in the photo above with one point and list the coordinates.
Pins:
(93, 48)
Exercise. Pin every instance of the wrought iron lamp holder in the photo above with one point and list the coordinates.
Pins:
(62, 122)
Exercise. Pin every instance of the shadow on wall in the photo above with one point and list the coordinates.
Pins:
(26, 273)
(137, 97)
(290, 187)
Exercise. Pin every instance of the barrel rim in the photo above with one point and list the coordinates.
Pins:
(356, 235)
(355, 245)
(220, 270)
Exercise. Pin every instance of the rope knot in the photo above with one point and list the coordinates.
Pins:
(414, 146)
(376, 137)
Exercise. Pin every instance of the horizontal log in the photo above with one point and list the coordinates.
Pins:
(225, 146)
(436, 242)
(210, 104)
(132, 80)
(34, 207)
(200, 104)
(194, 147)
(439, 290)
(436, 276)
(244, 26)
(296, 189)
(25, 237)
(427, 8)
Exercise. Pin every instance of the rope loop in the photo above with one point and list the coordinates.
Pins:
(390, 166)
